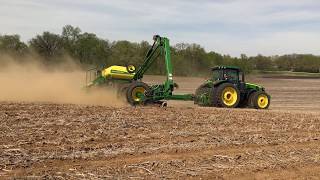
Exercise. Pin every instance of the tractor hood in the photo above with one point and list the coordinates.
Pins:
(210, 83)
(254, 86)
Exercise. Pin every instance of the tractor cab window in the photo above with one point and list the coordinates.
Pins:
(230, 74)
(216, 75)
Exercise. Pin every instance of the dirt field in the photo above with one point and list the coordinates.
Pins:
(65, 141)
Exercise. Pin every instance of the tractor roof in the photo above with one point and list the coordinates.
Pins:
(226, 67)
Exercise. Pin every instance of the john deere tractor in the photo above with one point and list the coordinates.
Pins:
(226, 87)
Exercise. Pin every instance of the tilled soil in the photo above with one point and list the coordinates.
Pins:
(62, 141)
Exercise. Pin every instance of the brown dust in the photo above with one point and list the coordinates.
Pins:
(32, 82)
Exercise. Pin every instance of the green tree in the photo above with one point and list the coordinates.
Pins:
(215, 58)
(125, 52)
(262, 62)
(92, 50)
(187, 59)
(70, 36)
(12, 44)
(48, 45)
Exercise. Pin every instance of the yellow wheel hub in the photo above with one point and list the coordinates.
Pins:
(137, 93)
(229, 96)
(131, 68)
(263, 101)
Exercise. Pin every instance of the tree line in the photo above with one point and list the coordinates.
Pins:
(87, 49)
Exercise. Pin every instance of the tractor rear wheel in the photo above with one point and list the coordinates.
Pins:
(135, 93)
(226, 95)
(261, 100)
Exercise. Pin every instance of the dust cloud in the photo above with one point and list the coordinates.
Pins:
(31, 81)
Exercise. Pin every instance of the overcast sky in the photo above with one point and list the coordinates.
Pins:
(232, 27)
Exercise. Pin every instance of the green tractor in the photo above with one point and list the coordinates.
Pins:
(226, 88)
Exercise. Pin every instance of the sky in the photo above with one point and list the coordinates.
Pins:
(234, 27)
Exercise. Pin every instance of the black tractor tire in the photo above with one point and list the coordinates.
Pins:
(133, 88)
(259, 100)
(250, 100)
(247, 101)
(218, 100)
(243, 103)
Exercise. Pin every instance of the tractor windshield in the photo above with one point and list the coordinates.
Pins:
(231, 74)
(226, 74)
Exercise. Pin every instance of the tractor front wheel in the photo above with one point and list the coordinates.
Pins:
(260, 100)
(226, 95)
(136, 92)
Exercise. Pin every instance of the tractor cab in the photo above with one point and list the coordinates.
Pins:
(227, 73)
